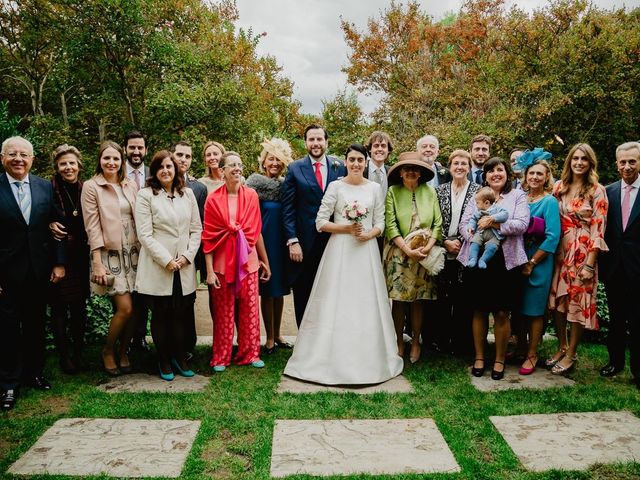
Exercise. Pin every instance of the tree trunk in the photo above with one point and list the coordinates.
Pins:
(102, 130)
(63, 103)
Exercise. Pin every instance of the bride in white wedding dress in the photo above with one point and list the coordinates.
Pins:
(347, 335)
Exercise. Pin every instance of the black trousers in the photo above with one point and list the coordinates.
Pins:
(22, 326)
(304, 282)
(624, 314)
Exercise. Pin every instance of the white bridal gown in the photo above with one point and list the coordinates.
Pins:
(347, 335)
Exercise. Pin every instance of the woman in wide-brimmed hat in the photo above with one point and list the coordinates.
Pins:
(411, 206)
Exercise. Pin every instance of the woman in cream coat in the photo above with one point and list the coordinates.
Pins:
(169, 230)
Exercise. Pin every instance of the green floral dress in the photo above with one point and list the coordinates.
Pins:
(407, 280)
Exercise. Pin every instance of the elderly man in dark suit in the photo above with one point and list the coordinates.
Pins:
(28, 254)
(620, 266)
(429, 147)
(302, 191)
(183, 154)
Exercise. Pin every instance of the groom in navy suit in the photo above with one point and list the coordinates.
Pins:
(620, 266)
(26, 267)
(302, 191)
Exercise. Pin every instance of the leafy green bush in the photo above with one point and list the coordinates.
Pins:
(99, 313)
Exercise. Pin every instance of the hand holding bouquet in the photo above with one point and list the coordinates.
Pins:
(355, 212)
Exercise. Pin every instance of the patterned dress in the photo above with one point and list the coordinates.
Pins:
(582, 222)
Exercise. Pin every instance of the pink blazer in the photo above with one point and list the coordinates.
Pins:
(101, 211)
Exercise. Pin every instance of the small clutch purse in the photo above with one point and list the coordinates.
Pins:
(536, 227)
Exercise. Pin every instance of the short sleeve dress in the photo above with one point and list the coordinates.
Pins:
(582, 223)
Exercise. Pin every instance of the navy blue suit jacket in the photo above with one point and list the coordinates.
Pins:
(301, 198)
(23, 245)
(624, 246)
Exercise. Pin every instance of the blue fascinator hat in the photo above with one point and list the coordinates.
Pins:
(529, 157)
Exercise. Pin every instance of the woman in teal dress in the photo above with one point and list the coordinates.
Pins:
(274, 158)
(541, 242)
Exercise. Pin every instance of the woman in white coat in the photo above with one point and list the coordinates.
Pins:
(169, 231)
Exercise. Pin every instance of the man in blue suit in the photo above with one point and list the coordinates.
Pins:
(302, 191)
(28, 254)
(620, 266)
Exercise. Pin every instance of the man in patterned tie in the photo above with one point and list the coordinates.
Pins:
(306, 181)
(135, 147)
(29, 260)
(620, 266)
(480, 152)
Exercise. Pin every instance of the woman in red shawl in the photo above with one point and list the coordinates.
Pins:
(235, 255)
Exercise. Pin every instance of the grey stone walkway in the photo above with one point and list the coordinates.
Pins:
(343, 447)
(141, 382)
(540, 379)
(398, 384)
(571, 441)
(119, 448)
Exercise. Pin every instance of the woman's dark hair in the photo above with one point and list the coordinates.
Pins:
(178, 180)
(109, 144)
(493, 163)
(358, 148)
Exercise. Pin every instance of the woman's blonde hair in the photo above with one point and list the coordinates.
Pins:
(548, 184)
(279, 148)
(567, 173)
(204, 153)
(64, 150)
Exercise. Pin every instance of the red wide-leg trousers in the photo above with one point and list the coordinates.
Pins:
(223, 308)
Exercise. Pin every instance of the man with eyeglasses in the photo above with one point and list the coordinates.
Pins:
(26, 252)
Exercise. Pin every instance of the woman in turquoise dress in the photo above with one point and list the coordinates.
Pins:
(541, 242)
(275, 156)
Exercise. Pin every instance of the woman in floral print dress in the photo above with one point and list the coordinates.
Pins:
(583, 211)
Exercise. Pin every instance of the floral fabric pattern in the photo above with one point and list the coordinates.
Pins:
(582, 223)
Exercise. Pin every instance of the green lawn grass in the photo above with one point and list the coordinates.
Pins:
(240, 406)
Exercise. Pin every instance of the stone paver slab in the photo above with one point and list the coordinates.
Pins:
(342, 447)
(540, 379)
(571, 441)
(398, 384)
(141, 382)
(116, 447)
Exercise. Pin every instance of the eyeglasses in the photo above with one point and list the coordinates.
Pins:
(20, 155)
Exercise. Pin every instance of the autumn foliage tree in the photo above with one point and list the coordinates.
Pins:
(563, 73)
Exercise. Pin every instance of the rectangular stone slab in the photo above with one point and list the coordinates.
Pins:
(398, 384)
(343, 447)
(540, 379)
(571, 441)
(116, 447)
(141, 382)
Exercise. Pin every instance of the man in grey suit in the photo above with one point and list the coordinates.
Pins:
(183, 154)
(379, 146)
(29, 260)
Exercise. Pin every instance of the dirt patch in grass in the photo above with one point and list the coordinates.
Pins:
(226, 455)
(48, 405)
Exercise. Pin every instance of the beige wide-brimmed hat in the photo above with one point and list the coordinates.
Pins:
(409, 158)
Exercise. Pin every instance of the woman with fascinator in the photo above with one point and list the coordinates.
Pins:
(274, 158)
(540, 242)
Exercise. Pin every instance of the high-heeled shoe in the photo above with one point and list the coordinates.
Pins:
(257, 364)
(555, 358)
(414, 358)
(559, 369)
(528, 371)
(183, 373)
(478, 372)
(219, 368)
(166, 376)
(497, 375)
(112, 372)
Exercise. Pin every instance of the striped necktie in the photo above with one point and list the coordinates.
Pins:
(24, 201)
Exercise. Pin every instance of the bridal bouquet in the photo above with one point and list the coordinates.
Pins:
(355, 212)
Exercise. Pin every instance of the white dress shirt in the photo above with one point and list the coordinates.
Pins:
(132, 176)
(633, 194)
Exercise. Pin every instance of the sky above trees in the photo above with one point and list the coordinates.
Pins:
(307, 41)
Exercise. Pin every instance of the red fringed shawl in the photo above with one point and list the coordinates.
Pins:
(220, 237)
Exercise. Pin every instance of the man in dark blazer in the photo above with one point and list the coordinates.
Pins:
(302, 191)
(620, 266)
(480, 151)
(28, 254)
(135, 148)
(183, 154)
